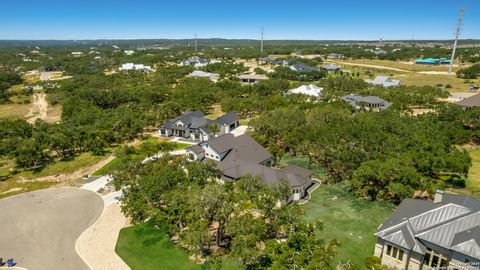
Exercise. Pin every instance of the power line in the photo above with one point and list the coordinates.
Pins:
(457, 34)
(261, 43)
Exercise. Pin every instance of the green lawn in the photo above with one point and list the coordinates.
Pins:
(145, 247)
(350, 220)
(302, 161)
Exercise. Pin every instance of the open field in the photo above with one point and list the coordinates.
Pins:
(350, 220)
(18, 109)
(145, 247)
(405, 66)
(457, 84)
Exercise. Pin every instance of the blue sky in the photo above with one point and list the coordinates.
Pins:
(298, 19)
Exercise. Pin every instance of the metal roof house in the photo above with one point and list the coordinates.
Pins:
(252, 78)
(309, 90)
(240, 156)
(303, 68)
(432, 61)
(194, 126)
(135, 67)
(196, 61)
(422, 234)
(384, 81)
(369, 102)
(335, 56)
(202, 74)
(331, 68)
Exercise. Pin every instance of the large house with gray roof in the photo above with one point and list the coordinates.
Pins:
(372, 103)
(424, 235)
(194, 126)
(240, 156)
(384, 81)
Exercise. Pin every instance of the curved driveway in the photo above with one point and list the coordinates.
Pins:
(39, 229)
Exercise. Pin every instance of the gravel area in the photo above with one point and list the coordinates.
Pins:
(97, 244)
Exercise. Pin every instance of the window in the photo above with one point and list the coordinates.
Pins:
(400, 255)
(394, 252)
(389, 250)
(433, 259)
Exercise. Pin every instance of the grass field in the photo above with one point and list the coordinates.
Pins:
(14, 110)
(145, 247)
(397, 64)
(350, 220)
(457, 84)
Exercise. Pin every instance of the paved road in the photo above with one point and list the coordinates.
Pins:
(39, 229)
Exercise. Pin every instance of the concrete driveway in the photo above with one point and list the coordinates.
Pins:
(39, 229)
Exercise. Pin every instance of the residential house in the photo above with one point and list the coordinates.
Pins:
(202, 74)
(77, 54)
(331, 68)
(129, 52)
(384, 81)
(424, 235)
(309, 90)
(275, 61)
(195, 61)
(470, 102)
(194, 126)
(240, 156)
(335, 56)
(379, 51)
(135, 67)
(370, 102)
(252, 78)
(303, 68)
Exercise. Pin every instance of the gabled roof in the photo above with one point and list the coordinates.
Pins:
(228, 118)
(453, 223)
(196, 149)
(302, 67)
(310, 90)
(331, 66)
(384, 80)
(222, 143)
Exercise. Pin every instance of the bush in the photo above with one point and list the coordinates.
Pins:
(374, 263)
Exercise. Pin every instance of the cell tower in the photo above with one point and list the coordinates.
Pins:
(457, 34)
(195, 42)
(261, 43)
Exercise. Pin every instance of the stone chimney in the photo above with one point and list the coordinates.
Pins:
(438, 196)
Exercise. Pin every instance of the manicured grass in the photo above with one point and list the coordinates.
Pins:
(107, 167)
(473, 181)
(145, 247)
(302, 161)
(350, 220)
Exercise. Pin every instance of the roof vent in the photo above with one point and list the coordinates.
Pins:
(438, 196)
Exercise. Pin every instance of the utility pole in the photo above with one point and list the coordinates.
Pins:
(457, 34)
(261, 43)
(195, 42)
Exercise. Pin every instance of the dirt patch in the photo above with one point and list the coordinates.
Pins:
(39, 108)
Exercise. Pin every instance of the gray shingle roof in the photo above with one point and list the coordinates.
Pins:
(228, 118)
(452, 224)
(196, 149)
(303, 68)
(222, 143)
(470, 102)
